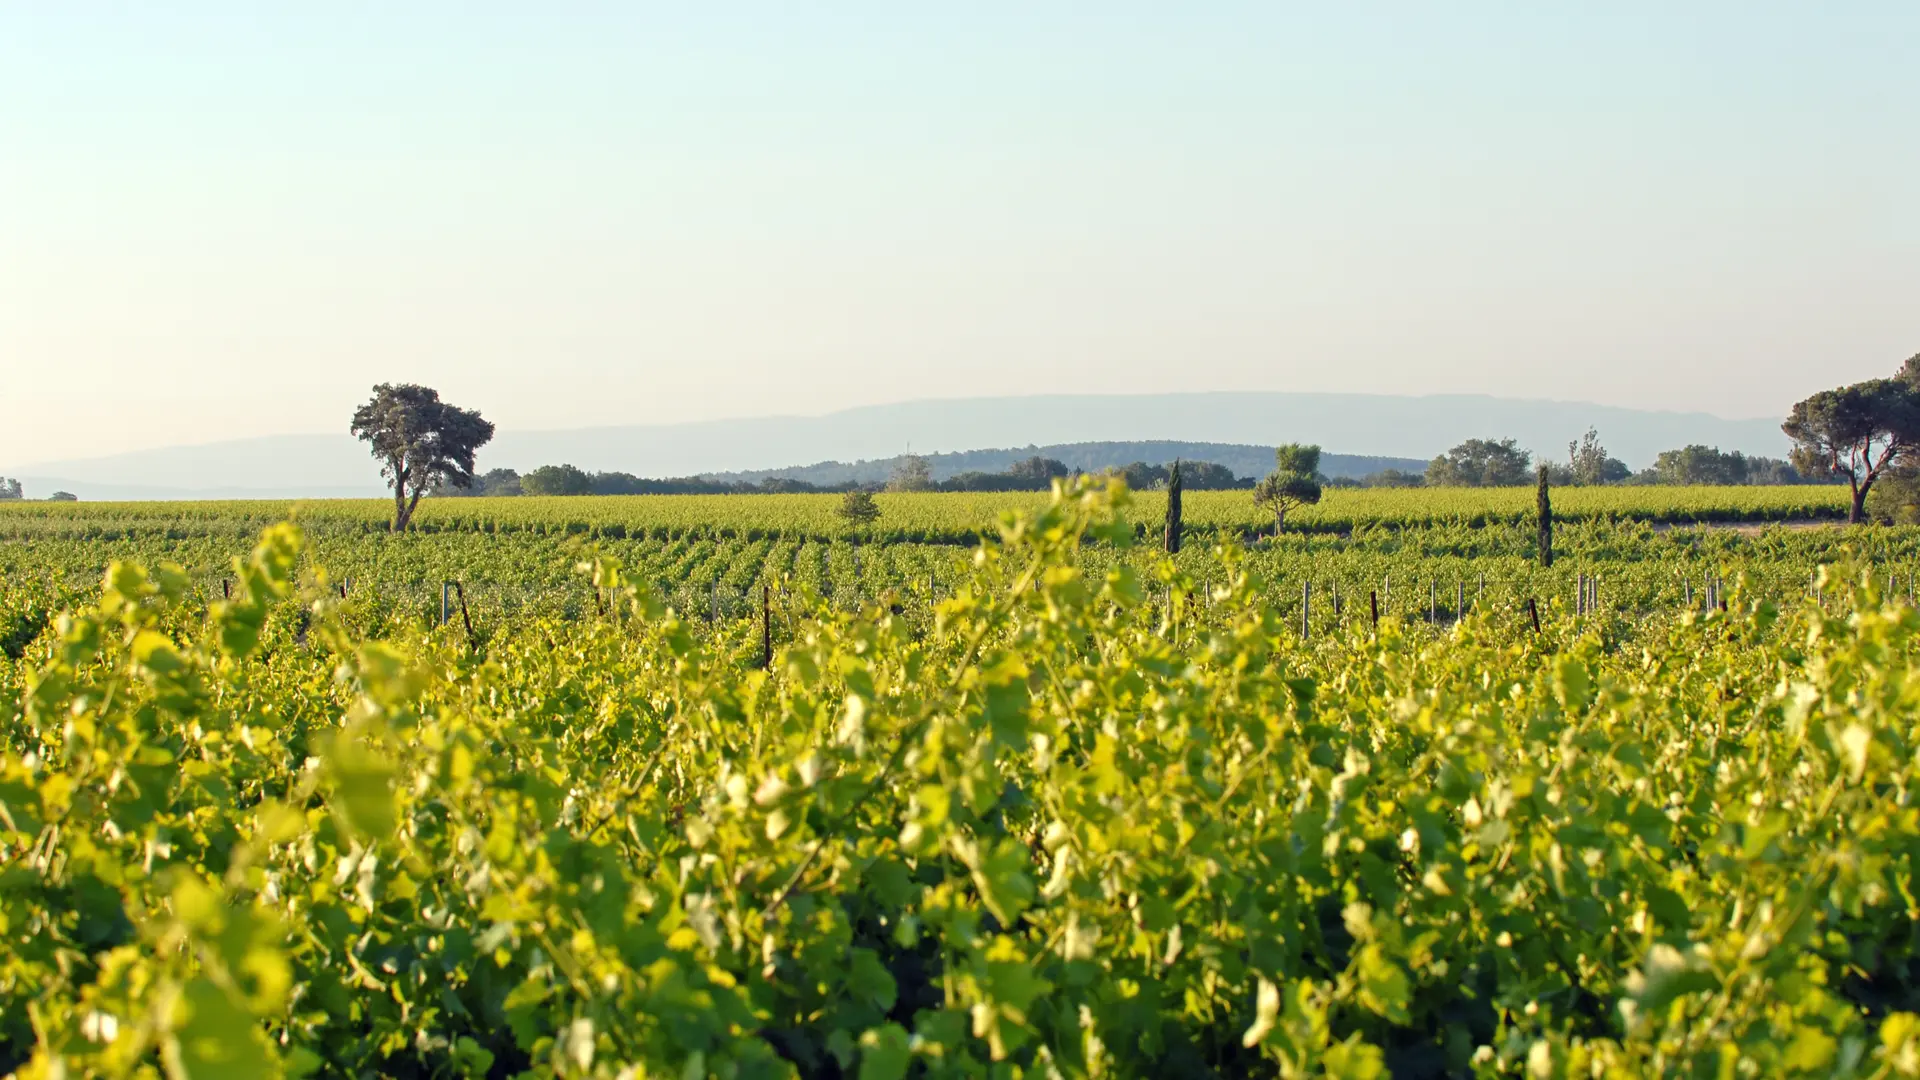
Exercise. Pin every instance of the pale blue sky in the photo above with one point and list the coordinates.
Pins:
(228, 219)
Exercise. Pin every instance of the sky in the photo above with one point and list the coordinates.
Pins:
(221, 220)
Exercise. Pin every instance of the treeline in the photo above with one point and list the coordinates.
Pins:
(1502, 463)
(571, 480)
(1194, 476)
(12, 491)
(1474, 463)
(1865, 435)
(911, 474)
(1242, 460)
(1038, 473)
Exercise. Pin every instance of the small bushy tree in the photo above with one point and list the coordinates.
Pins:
(912, 473)
(494, 482)
(1481, 463)
(1766, 470)
(1294, 482)
(1040, 471)
(1141, 476)
(1392, 478)
(1698, 464)
(1208, 476)
(858, 508)
(1194, 476)
(10, 490)
(1589, 464)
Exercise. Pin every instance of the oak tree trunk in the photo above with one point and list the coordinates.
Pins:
(399, 498)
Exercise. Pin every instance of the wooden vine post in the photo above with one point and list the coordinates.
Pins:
(1172, 539)
(466, 620)
(1544, 510)
(766, 625)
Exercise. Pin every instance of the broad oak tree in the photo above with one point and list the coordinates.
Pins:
(1856, 432)
(421, 441)
(1481, 463)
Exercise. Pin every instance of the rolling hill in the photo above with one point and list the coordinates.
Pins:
(1383, 426)
(1243, 459)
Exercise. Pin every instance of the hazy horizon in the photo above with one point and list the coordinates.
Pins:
(831, 412)
(221, 221)
(1401, 427)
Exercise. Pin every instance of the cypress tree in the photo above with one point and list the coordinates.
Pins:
(1173, 509)
(1545, 510)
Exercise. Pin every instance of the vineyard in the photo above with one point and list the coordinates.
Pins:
(714, 786)
(928, 518)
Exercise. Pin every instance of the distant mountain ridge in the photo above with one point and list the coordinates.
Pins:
(1245, 461)
(1416, 428)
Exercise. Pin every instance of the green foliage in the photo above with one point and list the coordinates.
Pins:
(1481, 463)
(912, 474)
(10, 490)
(858, 509)
(557, 480)
(1698, 464)
(1297, 458)
(1033, 473)
(572, 481)
(1588, 463)
(1855, 432)
(494, 482)
(22, 620)
(1194, 476)
(1294, 482)
(1038, 469)
(1280, 492)
(1895, 498)
(422, 443)
(1393, 478)
(1087, 821)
